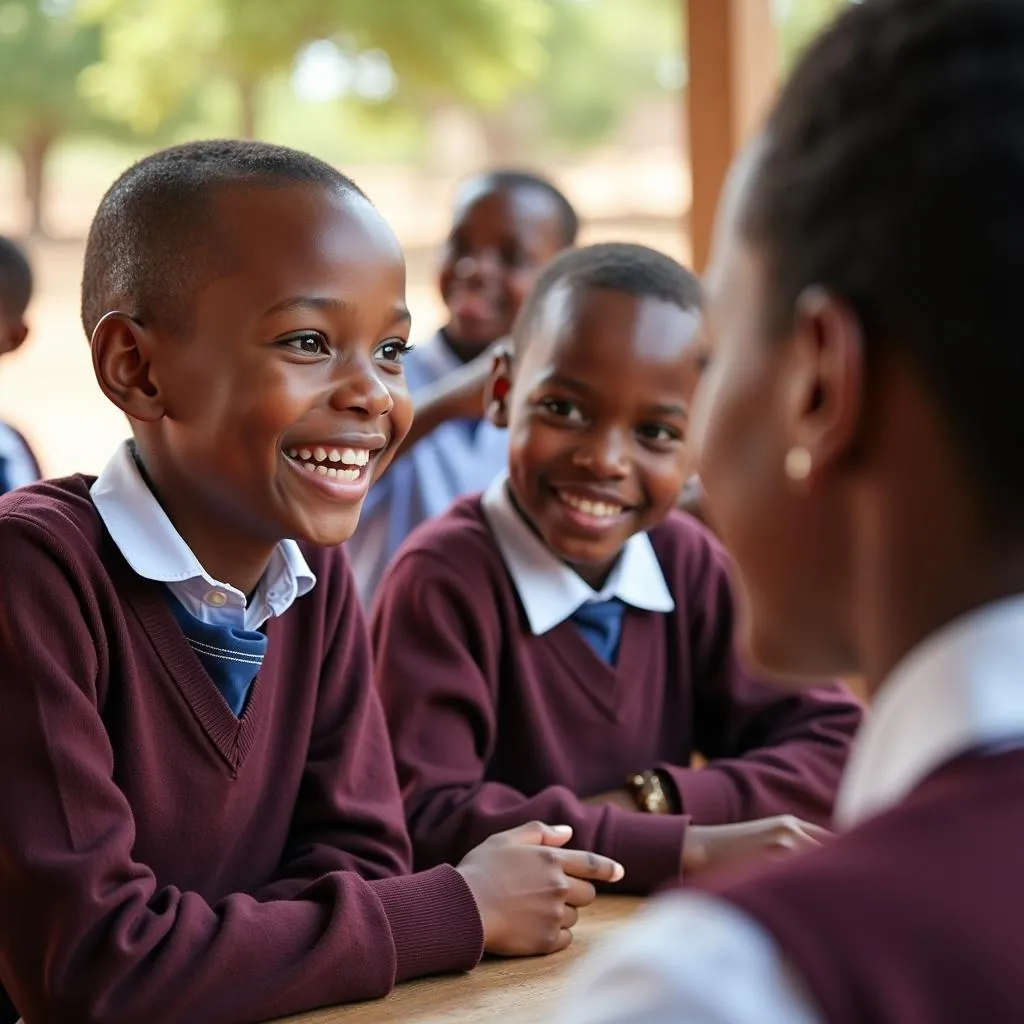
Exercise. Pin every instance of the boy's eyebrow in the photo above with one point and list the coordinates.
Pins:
(305, 302)
(668, 409)
(298, 303)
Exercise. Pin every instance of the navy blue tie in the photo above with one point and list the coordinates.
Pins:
(5, 476)
(600, 622)
(231, 657)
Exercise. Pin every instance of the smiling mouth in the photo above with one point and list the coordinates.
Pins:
(333, 463)
(595, 509)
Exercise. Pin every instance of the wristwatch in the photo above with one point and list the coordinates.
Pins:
(648, 792)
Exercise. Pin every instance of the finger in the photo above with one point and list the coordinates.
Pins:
(816, 832)
(564, 941)
(570, 915)
(585, 864)
(536, 833)
(579, 893)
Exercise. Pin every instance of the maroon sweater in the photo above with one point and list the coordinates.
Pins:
(493, 726)
(161, 860)
(915, 917)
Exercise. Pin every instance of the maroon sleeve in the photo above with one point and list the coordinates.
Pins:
(87, 932)
(772, 749)
(348, 816)
(437, 648)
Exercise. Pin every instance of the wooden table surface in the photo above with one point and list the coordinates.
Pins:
(510, 991)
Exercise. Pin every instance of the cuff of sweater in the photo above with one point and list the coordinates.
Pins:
(434, 921)
(707, 796)
(649, 847)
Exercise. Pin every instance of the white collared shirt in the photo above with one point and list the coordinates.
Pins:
(155, 550)
(697, 959)
(549, 590)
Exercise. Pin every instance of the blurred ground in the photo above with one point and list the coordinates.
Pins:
(47, 389)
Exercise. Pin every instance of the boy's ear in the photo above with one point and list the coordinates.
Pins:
(122, 351)
(498, 387)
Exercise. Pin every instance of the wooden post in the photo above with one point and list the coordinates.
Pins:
(732, 55)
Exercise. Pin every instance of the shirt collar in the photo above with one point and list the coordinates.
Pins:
(155, 550)
(958, 690)
(549, 590)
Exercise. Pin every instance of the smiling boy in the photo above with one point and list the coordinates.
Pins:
(563, 644)
(199, 819)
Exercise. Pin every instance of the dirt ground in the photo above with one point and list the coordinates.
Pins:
(48, 391)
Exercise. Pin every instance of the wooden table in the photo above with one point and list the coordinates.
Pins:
(510, 991)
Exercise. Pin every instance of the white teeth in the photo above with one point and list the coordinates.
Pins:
(355, 456)
(598, 509)
(315, 460)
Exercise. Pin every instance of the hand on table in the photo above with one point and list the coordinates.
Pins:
(712, 846)
(529, 889)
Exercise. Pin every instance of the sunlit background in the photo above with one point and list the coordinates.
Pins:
(406, 96)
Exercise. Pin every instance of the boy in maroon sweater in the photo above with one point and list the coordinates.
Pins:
(860, 435)
(564, 644)
(199, 819)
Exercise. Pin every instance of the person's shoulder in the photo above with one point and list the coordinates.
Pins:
(61, 508)
(687, 550)
(456, 546)
(458, 536)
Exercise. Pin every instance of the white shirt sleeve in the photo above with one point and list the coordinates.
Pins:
(689, 959)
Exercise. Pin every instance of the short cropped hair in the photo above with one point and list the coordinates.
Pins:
(610, 266)
(511, 181)
(15, 279)
(891, 172)
(152, 242)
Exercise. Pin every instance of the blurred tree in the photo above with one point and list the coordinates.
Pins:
(158, 53)
(42, 51)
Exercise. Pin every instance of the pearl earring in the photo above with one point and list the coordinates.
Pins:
(798, 463)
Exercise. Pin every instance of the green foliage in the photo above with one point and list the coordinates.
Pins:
(157, 53)
(42, 52)
(604, 55)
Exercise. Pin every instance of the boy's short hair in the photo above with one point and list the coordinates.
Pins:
(613, 266)
(147, 244)
(15, 279)
(511, 180)
(891, 171)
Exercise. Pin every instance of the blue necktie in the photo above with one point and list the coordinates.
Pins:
(600, 622)
(5, 476)
(231, 657)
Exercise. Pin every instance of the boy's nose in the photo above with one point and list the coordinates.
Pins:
(605, 455)
(361, 388)
(477, 265)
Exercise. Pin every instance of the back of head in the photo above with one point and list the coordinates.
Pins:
(154, 239)
(15, 281)
(609, 266)
(892, 172)
(508, 180)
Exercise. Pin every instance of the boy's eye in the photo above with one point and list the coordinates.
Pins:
(658, 432)
(394, 350)
(308, 343)
(561, 408)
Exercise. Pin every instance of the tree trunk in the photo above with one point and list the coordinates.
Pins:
(247, 94)
(33, 152)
